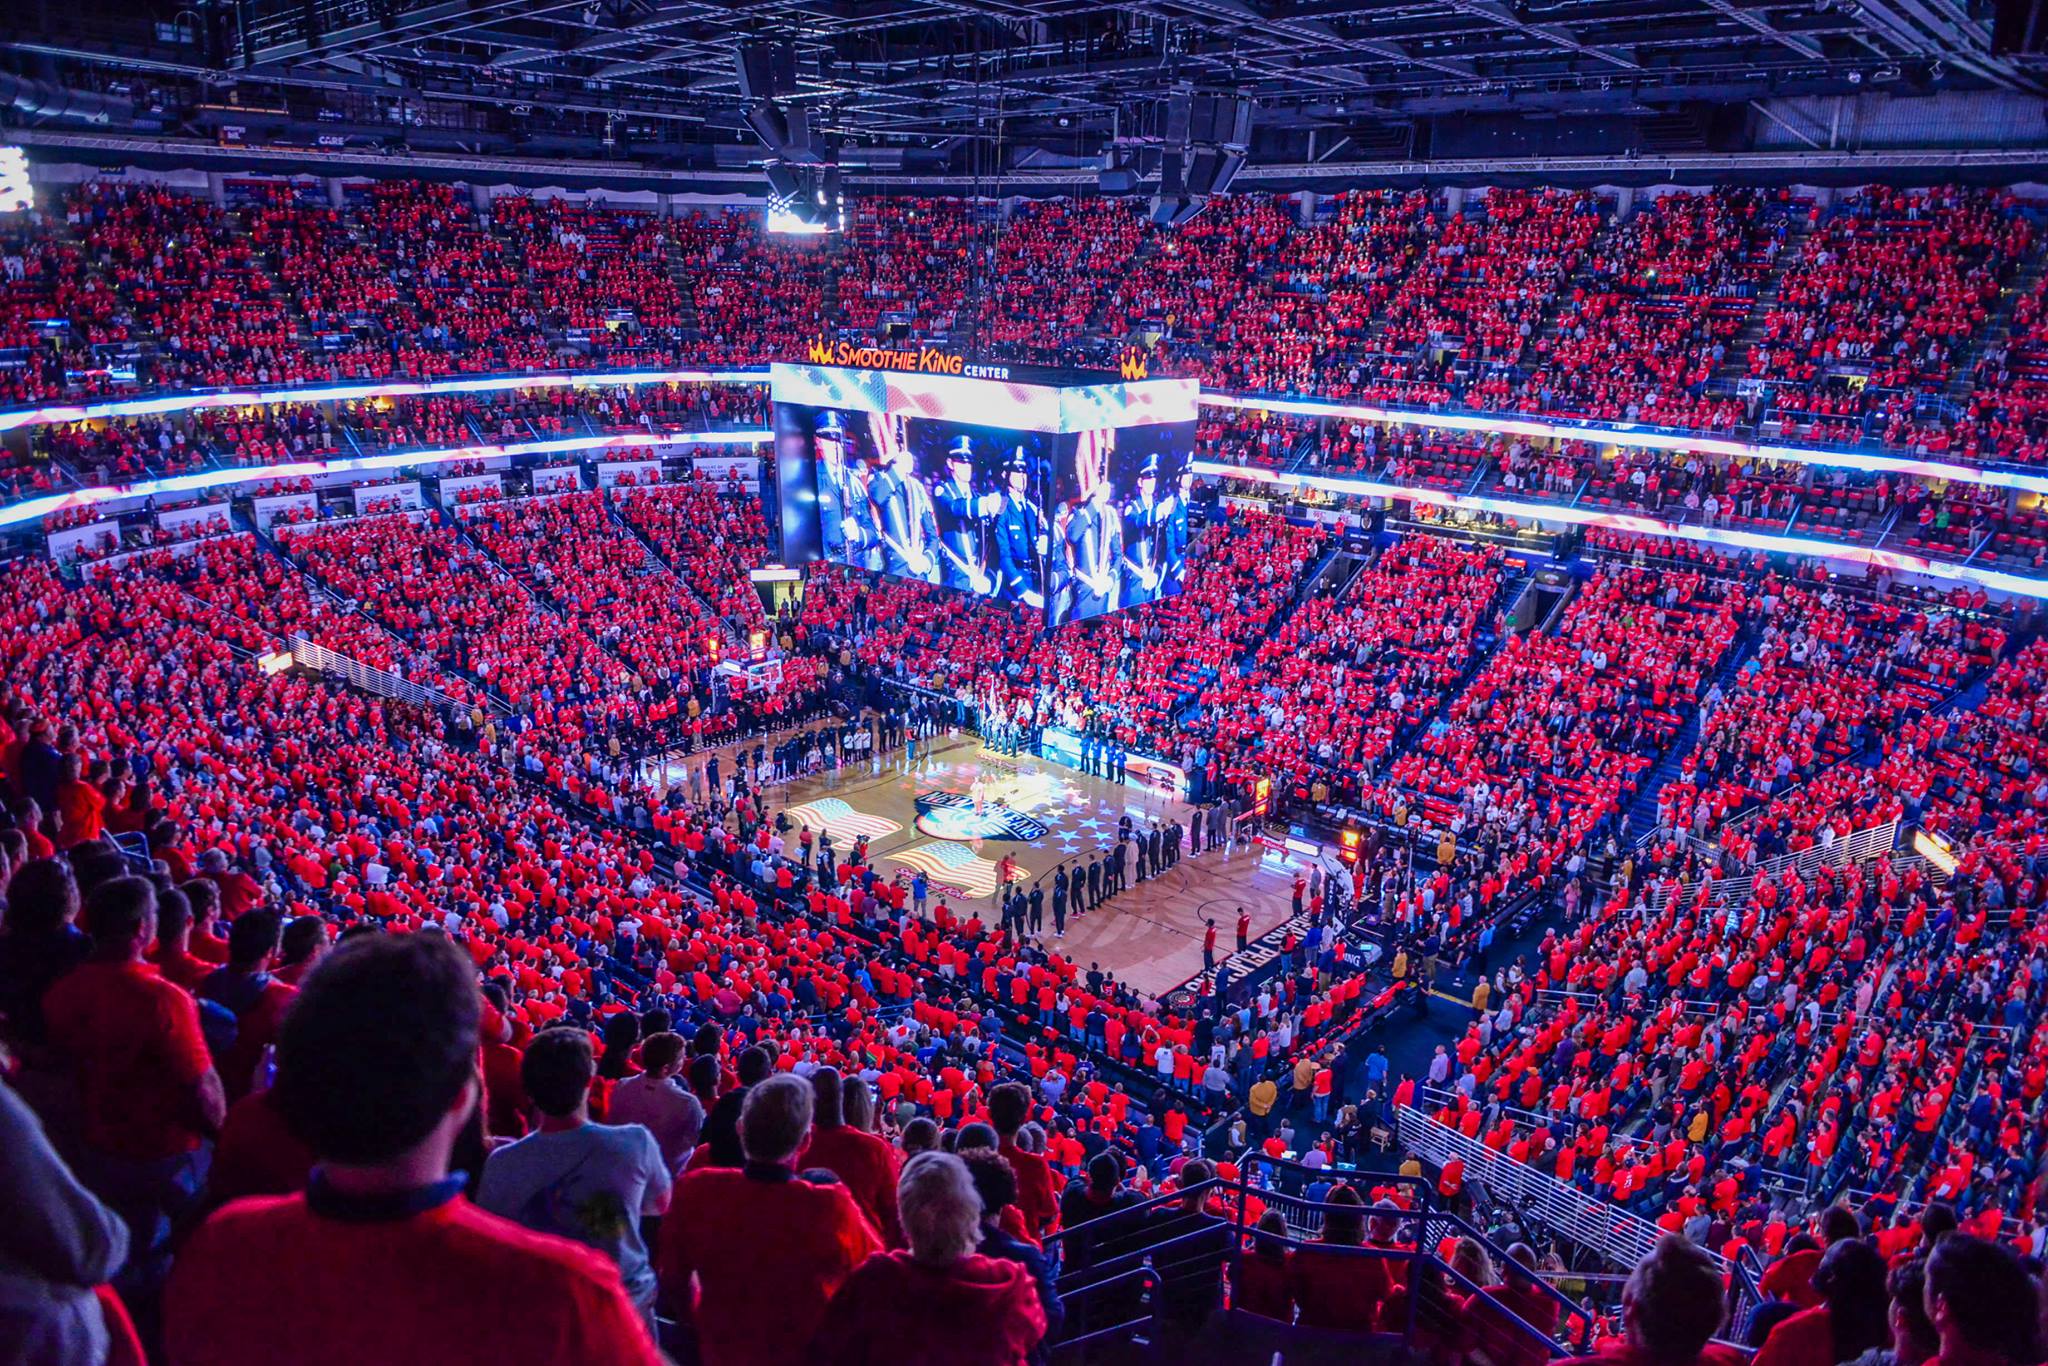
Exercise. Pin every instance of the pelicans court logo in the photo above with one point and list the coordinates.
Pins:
(953, 816)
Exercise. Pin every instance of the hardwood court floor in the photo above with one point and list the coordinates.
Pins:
(1043, 814)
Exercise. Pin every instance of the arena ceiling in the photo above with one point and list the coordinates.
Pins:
(1004, 85)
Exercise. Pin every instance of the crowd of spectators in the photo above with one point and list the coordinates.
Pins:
(1710, 1035)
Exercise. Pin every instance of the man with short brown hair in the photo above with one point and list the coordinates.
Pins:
(151, 1095)
(380, 1258)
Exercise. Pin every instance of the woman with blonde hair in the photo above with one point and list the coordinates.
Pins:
(940, 1303)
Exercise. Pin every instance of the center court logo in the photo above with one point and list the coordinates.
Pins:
(952, 816)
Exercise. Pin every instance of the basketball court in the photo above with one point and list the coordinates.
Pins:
(963, 807)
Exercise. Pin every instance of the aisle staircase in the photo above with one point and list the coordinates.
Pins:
(1997, 327)
(1735, 363)
(1642, 810)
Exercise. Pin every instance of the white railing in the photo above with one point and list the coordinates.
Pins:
(382, 682)
(1859, 846)
(1564, 1209)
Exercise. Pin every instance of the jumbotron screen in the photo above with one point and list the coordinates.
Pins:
(1068, 498)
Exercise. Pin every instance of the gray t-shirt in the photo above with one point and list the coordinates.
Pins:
(591, 1184)
(667, 1111)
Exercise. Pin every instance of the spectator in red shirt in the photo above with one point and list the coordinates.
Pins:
(303, 946)
(1331, 1286)
(172, 953)
(1671, 1308)
(151, 1096)
(1985, 1308)
(203, 943)
(749, 1258)
(381, 1258)
(1519, 1293)
(1791, 1276)
(1913, 1338)
(1852, 1318)
(257, 1153)
(865, 1163)
(1009, 1106)
(941, 1303)
(1258, 1280)
(238, 891)
(257, 999)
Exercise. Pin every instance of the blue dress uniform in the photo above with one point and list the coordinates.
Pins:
(1174, 544)
(962, 562)
(1095, 545)
(1143, 541)
(863, 533)
(907, 526)
(1019, 535)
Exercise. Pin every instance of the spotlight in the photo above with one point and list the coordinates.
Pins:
(16, 193)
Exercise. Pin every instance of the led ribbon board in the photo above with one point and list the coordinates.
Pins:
(1898, 561)
(35, 508)
(1136, 397)
(347, 393)
(1638, 438)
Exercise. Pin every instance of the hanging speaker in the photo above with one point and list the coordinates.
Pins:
(769, 125)
(785, 181)
(765, 70)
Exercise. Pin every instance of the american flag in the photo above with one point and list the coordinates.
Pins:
(954, 864)
(830, 813)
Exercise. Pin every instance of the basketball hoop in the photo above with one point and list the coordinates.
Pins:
(751, 676)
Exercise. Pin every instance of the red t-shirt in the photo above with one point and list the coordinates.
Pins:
(179, 967)
(868, 1167)
(979, 1311)
(256, 1023)
(1037, 1195)
(135, 1043)
(256, 1154)
(1337, 1289)
(445, 1283)
(768, 1252)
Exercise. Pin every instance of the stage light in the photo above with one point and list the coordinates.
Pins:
(781, 220)
(16, 193)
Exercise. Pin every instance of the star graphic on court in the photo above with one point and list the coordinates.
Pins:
(1089, 824)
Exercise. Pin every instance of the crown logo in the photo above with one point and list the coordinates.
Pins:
(1132, 366)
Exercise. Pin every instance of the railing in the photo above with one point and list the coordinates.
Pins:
(382, 682)
(1164, 1259)
(1566, 1210)
(1858, 846)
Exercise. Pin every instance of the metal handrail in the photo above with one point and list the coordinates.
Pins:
(1858, 846)
(1622, 1237)
(382, 682)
